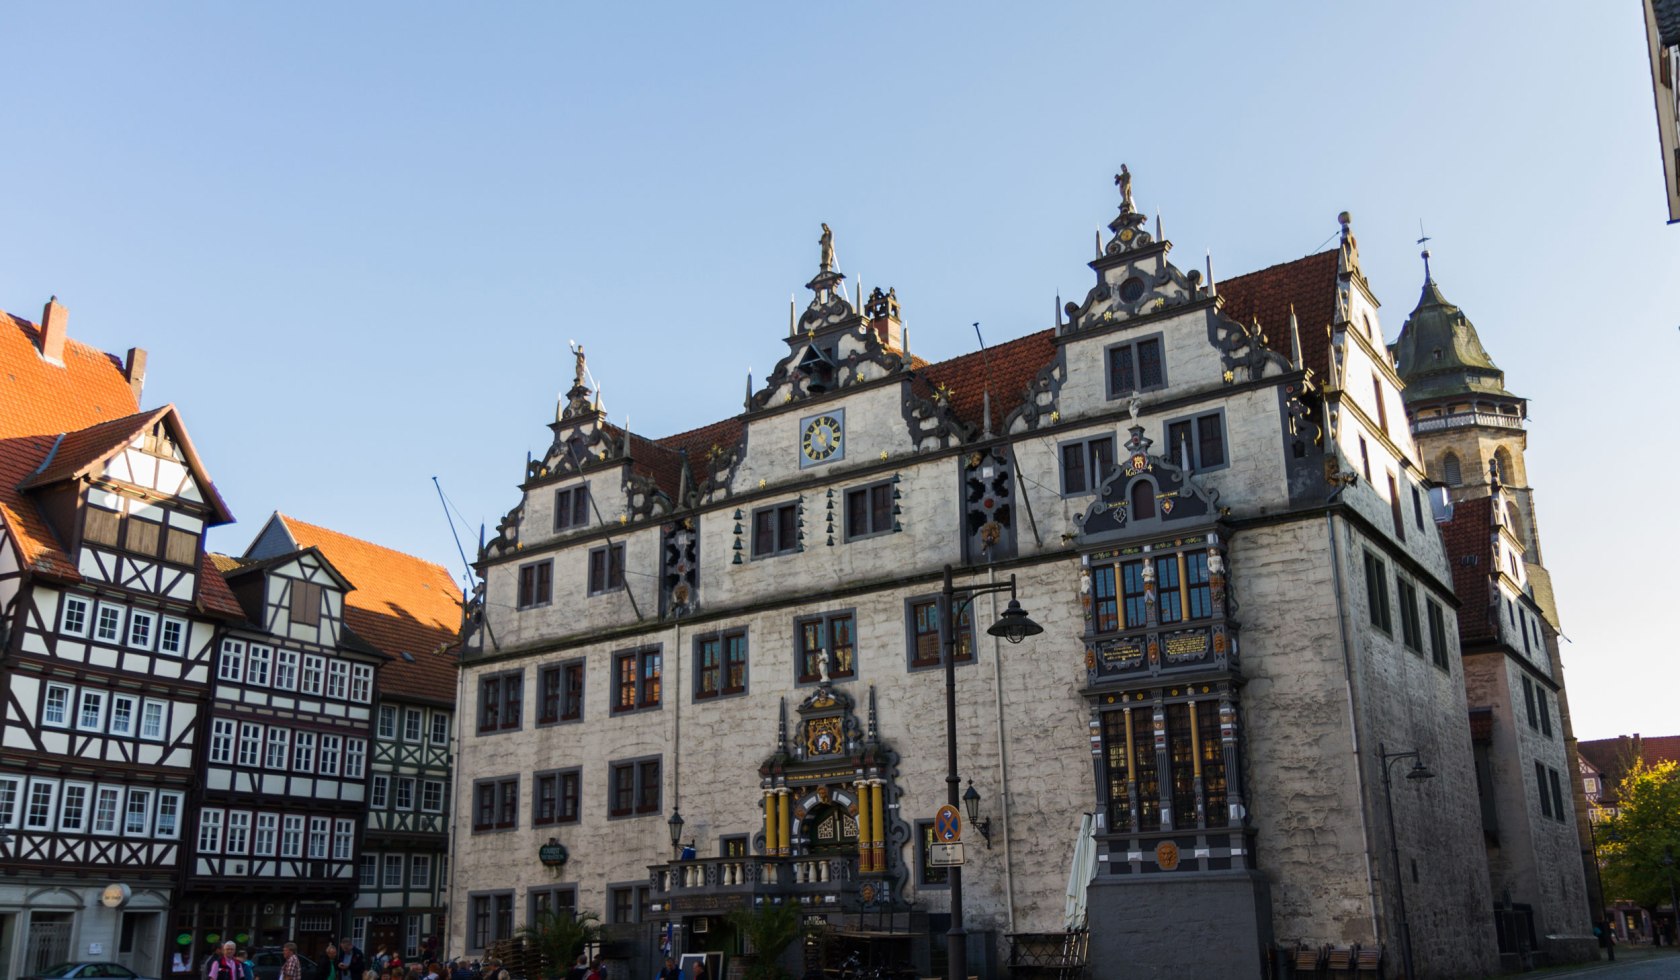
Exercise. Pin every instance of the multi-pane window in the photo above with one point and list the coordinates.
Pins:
(172, 636)
(285, 669)
(309, 681)
(405, 792)
(1086, 463)
(279, 749)
(633, 787)
(1169, 599)
(869, 510)
(927, 873)
(367, 871)
(320, 834)
(250, 745)
(344, 839)
(257, 664)
(379, 791)
(500, 697)
(637, 677)
(621, 905)
(831, 635)
(1135, 366)
(209, 831)
(122, 714)
(152, 719)
(495, 804)
(361, 683)
(331, 748)
(1411, 631)
(338, 679)
(238, 830)
(387, 721)
(10, 786)
(1437, 633)
(306, 604)
(492, 918)
(263, 840)
(221, 741)
(355, 757)
(108, 624)
(72, 808)
(536, 584)
(43, 797)
(571, 508)
(431, 796)
(411, 725)
(141, 627)
(106, 801)
(74, 619)
(137, 816)
(167, 823)
(55, 705)
(393, 877)
(231, 665)
(420, 871)
(291, 836)
(561, 692)
(303, 756)
(1376, 592)
(90, 715)
(1199, 440)
(775, 530)
(927, 632)
(556, 797)
(606, 568)
(440, 728)
(720, 664)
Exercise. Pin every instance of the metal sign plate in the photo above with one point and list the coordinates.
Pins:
(945, 855)
(947, 826)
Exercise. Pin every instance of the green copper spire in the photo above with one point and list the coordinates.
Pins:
(1438, 354)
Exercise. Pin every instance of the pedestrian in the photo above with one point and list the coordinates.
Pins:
(351, 962)
(1606, 940)
(700, 971)
(669, 971)
(247, 969)
(382, 957)
(222, 965)
(329, 964)
(292, 968)
(580, 969)
(597, 970)
(432, 970)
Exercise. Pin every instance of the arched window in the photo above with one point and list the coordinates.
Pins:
(1449, 470)
(1507, 473)
(1143, 500)
(1513, 519)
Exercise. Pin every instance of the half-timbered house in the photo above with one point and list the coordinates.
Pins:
(284, 757)
(410, 611)
(108, 612)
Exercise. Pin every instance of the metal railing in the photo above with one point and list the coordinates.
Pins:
(1435, 423)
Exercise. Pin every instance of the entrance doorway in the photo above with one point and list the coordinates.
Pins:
(137, 943)
(48, 943)
(831, 829)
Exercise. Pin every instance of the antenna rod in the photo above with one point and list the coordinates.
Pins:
(986, 359)
(452, 532)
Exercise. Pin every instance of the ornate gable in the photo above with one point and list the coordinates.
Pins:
(1146, 494)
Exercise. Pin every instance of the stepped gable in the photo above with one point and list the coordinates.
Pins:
(1308, 285)
(41, 398)
(401, 605)
(1469, 540)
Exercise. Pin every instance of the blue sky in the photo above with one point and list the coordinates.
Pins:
(357, 238)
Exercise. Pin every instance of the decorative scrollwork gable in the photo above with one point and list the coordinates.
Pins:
(1039, 402)
(1243, 347)
(934, 419)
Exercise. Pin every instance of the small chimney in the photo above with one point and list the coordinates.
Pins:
(134, 369)
(55, 329)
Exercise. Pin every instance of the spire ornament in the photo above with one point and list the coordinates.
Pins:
(577, 398)
(1127, 226)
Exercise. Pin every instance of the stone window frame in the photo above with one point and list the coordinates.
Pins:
(1440, 649)
(498, 786)
(778, 546)
(607, 582)
(566, 712)
(553, 893)
(638, 655)
(1131, 343)
(567, 501)
(1194, 420)
(721, 637)
(639, 807)
(502, 725)
(475, 937)
(1093, 479)
(867, 490)
(560, 776)
(625, 890)
(1380, 613)
(911, 664)
(803, 680)
(535, 589)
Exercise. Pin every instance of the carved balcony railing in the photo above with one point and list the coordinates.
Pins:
(709, 884)
(1435, 423)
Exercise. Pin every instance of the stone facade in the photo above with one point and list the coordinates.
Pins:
(1314, 539)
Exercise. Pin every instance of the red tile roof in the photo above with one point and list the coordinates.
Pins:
(38, 398)
(1613, 757)
(1005, 370)
(1308, 285)
(401, 605)
(1469, 540)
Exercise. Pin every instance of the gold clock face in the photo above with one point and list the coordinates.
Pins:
(821, 437)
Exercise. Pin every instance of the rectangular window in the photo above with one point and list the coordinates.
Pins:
(74, 619)
(927, 874)
(720, 664)
(556, 799)
(1200, 440)
(42, 805)
(775, 530)
(1135, 366)
(306, 604)
(634, 787)
(495, 804)
(250, 746)
(405, 792)
(536, 584)
(1528, 702)
(303, 756)
(72, 811)
(108, 625)
(355, 757)
(55, 705)
(491, 918)
(1394, 507)
(1382, 404)
(266, 835)
(1557, 795)
(440, 728)
(420, 871)
(606, 569)
(500, 699)
(1411, 632)
(1169, 603)
(344, 839)
(122, 714)
(230, 666)
(209, 831)
(393, 871)
(621, 905)
(831, 634)
(571, 508)
(338, 680)
(1437, 634)
(279, 749)
(1544, 699)
(331, 747)
(10, 788)
(310, 680)
(221, 742)
(869, 510)
(431, 796)
(638, 677)
(152, 714)
(1085, 464)
(361, 683)
(172, 637)
(137, 816)
(258, 661)
(168, 819)
(387, 721)
(1417, 507)
(291, 837)
(367, 872)
(238, 830)
(379, 792)
(106, 801)
(927, 633)
(285, 670)
(320, 833)
(411, 724)
(141, 628)
(1540, 784)
(1376, 593)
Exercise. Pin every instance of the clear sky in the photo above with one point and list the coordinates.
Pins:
(356, 238)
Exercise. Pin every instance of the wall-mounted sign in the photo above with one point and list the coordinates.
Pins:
(115, 896)
(553, 854)
(96, 949)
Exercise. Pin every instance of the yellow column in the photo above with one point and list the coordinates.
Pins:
(1183, 587)
(770, 822)
(866, 860)
(878, 823)
(1195, 742)
(784, 839)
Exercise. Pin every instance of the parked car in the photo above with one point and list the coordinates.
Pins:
(266, 962)
(86, 971)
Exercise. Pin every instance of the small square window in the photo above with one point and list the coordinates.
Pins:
(606, 569)
(637, 676)
(536, 584)
(720, 664)
(819, 636)
(74, 619)
(1200, 440)
(633, 788)
(1135, 366)
(1085, 464)
(571, 508)
(775, 530)
(141, 629)
(108, 625)
(870, 511)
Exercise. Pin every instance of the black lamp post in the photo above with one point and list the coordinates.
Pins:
(971, 801)
(1419, 771)
(1013, 626)
(676, 825)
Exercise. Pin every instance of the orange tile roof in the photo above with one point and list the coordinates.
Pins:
(38, 398)
(401, 604)
(1308, 285)
(1004, 369)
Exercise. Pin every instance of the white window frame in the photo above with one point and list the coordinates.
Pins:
(67, 710)
(355, 758)
(420, 871)
(82, 698)
(413, 932)
(259, 660)
(49, 818)
(387, 722)
(326, 760)
(426, 791)
(85, 790)
(367, 872)
(171, 830)
(144, 797)
(344, 839)
(250, 745)
(392, 861)
(264, 834)
(147, 708)
(221, 741)
(320, 838)
(100, 795)
(141, 637)
(338, 680)
(285, 670)
(11, 801)
(312, 675)
(405, 787)
(279, 755)
(84, 606)
(115, 632)
(379, 792)
(116, 727)
(361, 683)
(178, 646)
(230, 666)
(291, 836)
(412, 725)
(238, 839)
(303, 752)
(440, 728)
(210, 831)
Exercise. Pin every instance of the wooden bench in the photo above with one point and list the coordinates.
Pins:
(1340, 959)
(1309, 960)
(1369, 960)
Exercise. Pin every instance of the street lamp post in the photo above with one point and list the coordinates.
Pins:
(1013, 626)
(1418, 771)
(676, 824)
